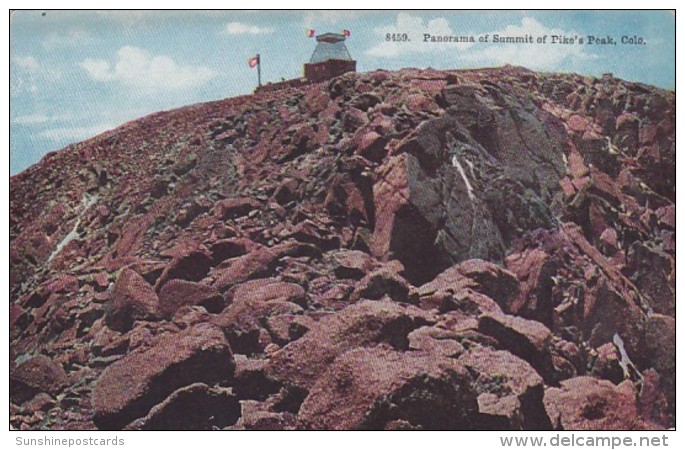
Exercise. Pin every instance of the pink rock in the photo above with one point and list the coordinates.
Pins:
(243, 268)
(191, 265)
(371, 146)
(527, 339)
(576, 166)
(436, 341)
(252, 304)
(511, 391)
(666, 216)
(384, 282)
(389, 195)
(609, 239)
(35, 375)
(585, 403)
(64, 283)
(366, 323)
(481, 276)
(369, 388)
(233, 208)
(577, 124)
(648, 133)
(353, 264)
(534, 270)
(194, 407)
(130, 387)
(567, 187)
(132, 298)
(177, 293)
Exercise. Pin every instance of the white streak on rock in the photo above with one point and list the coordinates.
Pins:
(624, 361)
(470, 164)
(87, 201)
(469, 188)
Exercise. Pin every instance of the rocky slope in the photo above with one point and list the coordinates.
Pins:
(488, 249)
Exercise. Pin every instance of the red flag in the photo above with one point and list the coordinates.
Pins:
(252, 62)
(310, 32)
(346, 32)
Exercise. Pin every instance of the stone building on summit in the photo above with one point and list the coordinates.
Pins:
(330, 58)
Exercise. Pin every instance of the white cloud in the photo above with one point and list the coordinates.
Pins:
(234, 28)
(33, 119)
(415, 28)
(137, 68)
(330, 17)
(533, 56)
(72, 134)
(71, 38)
(23, 74)
(27, 63)
(27, 74)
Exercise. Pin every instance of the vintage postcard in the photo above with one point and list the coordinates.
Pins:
(342, 220)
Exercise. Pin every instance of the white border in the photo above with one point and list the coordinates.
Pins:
(303, 440)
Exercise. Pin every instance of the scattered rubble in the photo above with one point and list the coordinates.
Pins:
(419, 249)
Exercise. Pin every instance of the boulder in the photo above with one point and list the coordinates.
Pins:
(19, 319)
(510, 391)
(653, 402)
(232, 208)
(363, 324)
(251, 380)
(190, 265)
(251, 305)
(653, 272)
(257, 416)
(194, 407)
(586, 403)
(35, 375)
(40, 402)
(436, 341)
(132, 298)
(238, 270)
(177, 293)
(607, 313)
(527, 339)
(382, 282)
(369, 388)
(129, 388)
(480, 276)
(352, 264)
(231, 248)
(534, 270)
(607, 364)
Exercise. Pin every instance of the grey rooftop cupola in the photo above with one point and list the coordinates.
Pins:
(330, 58)
(330, 46)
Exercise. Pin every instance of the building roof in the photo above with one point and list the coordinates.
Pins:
(330, 37)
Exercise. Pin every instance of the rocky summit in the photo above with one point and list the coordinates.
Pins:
(409, 250)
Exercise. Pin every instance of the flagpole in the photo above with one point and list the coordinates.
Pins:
(259, 70)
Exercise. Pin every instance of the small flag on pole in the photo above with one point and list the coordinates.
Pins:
(346, 32)
(310, 32)
(252, 62)
(255, 61)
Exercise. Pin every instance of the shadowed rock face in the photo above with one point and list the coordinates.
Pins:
(129, 388)
(416, 249)
(372, 388)
(474, 179)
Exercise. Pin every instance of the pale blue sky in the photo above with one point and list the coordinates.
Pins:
(76, 74)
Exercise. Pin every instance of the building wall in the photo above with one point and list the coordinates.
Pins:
(328, 69)
(297, 82)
